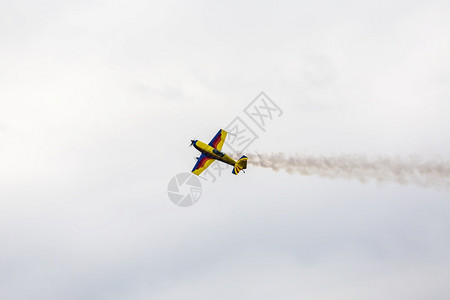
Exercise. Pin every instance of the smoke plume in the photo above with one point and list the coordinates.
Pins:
(410, 170)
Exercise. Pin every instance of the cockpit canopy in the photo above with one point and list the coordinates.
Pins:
(217, 152)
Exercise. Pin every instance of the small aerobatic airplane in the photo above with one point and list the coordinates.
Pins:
(212, 152)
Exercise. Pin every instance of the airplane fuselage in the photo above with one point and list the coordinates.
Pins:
(213, 152)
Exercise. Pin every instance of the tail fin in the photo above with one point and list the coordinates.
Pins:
(240, 165)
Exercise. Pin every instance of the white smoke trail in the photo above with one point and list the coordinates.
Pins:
(382, 168)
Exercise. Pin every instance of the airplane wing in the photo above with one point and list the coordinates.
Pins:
(218, 140)
(202, 163)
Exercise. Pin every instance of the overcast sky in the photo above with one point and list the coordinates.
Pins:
(98, 103)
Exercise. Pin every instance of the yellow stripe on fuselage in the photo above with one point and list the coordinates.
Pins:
(208, 150)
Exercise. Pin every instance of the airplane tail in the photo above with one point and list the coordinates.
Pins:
(240, 165)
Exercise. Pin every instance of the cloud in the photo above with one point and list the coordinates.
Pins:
(99, 101)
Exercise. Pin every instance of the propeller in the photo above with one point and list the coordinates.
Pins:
(192, 143)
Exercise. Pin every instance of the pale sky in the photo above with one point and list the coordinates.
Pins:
(99, 101)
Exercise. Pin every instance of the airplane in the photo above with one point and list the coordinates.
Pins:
(211, 152)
